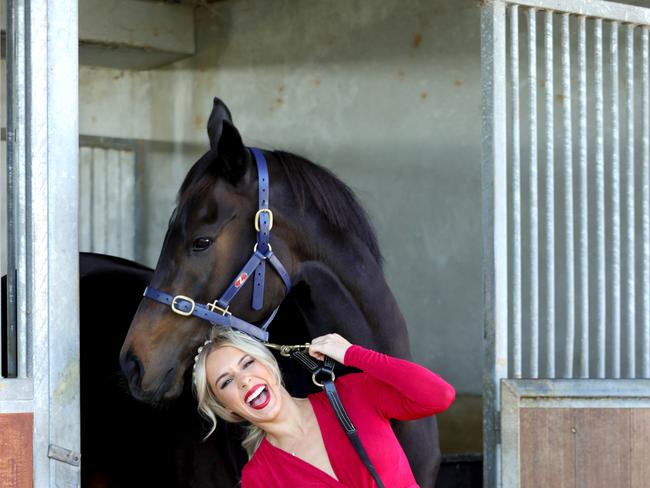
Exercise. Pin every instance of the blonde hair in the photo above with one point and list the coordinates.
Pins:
(208, 405)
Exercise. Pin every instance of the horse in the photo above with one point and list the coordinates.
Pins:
(327, 245)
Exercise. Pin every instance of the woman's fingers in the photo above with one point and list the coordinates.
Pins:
(332, 345)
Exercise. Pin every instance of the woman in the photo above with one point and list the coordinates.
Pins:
(298, 441)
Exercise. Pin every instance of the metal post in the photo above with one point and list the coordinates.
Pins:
(568, 198)
(645, 186)
(616, 208)
(516, 194)
(549, 216)
(583, 198)
(630, 237)
(601, 294)
(52, 249)
(533, 200)
(495, 213)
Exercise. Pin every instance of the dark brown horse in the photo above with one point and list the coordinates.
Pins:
(320, 234)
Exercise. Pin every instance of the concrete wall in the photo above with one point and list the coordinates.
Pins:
(386, 95)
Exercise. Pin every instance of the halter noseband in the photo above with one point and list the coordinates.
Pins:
(217, 312)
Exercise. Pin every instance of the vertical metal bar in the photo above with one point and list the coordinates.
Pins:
(85, 195)
(516, 194)
(127, 161)
(4, 181)
(550, 199)
(630, 193)
(601, 294)
(645, 186)
(112, 202)
(568, 198)
(38, 235)
(495, 228)
(533, 197)
(13, 188)
(616, 207)
(99, 200)
(583, 198)
(20, 159)
(63, 250)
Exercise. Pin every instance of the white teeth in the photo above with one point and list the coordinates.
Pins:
(257, 393)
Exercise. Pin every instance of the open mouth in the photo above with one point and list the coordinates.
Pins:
(258, 397)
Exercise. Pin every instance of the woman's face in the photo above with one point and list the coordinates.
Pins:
(243, 385)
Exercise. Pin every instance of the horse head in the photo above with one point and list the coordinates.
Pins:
(209, 237)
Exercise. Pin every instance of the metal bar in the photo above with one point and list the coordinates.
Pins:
(630, 237)
(568, 198)
(99, 212)
(549, 216)
(516, 195)
(63, 251)
(606, 10)
(601, 293)
(583, 198)
(645, 189)
(533, 197)
(495, 228)
(616, 207)
(127, 161)
(13, 188)
(19, 92)
(85, 199)
(112, 203)
(4, 182)
(37, 229)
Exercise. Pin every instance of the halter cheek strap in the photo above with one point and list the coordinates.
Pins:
(217, 312)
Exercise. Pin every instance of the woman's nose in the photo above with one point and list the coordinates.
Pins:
(244, 382)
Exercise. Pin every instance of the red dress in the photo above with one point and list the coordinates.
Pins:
(388, 388)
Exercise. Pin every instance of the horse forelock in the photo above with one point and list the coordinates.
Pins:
(330, 196)
(197, 182)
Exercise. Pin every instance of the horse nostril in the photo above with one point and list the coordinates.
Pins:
(133, 370)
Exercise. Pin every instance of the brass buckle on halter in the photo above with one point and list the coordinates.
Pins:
(213, 306)
(178, 310)
(257, 218)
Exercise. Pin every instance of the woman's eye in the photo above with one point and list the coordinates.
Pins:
(201, 243)
(248, 363)
(226, 383)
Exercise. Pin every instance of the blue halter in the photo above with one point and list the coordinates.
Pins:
(217, 312)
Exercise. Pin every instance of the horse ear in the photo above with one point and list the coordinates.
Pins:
(219, 114)
(226, 144)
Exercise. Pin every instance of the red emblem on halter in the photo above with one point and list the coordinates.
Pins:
(241, 279)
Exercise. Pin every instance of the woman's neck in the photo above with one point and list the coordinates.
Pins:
(291, 425)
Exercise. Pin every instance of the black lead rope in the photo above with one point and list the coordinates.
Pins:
(327, 370)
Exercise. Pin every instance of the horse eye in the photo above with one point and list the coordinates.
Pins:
(201, 244)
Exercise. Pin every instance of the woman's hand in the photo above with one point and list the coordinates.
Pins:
(332, 345)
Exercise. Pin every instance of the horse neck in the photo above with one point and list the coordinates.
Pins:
(364, 278)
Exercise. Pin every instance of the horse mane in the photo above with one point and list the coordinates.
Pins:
(308, 182)
(331, 197)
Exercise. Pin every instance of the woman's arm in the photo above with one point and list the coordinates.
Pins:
(400, 389)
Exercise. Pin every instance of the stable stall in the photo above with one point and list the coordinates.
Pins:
(399, 100)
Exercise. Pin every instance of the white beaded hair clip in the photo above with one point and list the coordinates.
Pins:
(198, 353)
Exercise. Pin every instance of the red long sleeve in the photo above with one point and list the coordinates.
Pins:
(400, 389)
